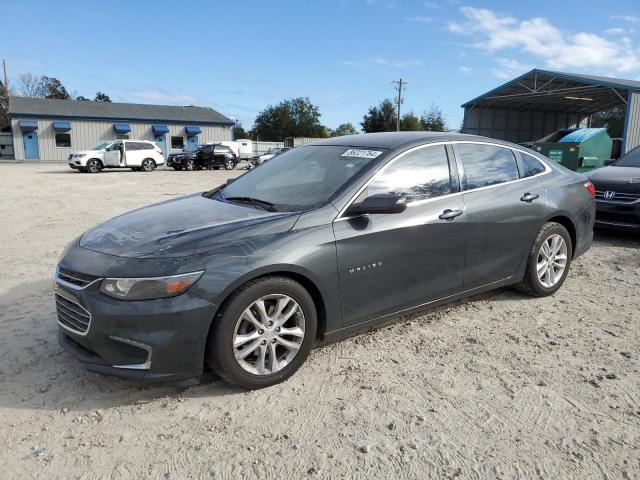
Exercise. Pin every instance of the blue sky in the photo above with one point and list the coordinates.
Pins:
(240, 56)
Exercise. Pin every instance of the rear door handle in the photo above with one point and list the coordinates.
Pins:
(529, 197)
(449, 214)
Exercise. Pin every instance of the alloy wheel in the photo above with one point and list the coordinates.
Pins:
(148, 165)
(229, 164)
(552, 260)
(268, 334)
(93, 166)
(189, 165)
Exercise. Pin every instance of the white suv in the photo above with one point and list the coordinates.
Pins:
(134, 154)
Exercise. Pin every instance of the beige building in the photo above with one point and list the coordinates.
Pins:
(50, 129)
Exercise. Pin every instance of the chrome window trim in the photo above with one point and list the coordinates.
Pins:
(135, 366)
(547, 169)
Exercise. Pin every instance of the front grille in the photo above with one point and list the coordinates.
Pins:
(72, 315)
(75, 278)
(620, 197)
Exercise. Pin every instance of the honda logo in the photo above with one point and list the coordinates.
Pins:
(609, 195)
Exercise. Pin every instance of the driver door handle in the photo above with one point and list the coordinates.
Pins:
(529, 197)
(449, 214)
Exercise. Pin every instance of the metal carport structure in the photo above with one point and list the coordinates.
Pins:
(542, 101)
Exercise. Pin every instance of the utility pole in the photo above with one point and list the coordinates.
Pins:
(399, 84)
(6, 81)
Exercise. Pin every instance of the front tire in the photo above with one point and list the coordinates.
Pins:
(263, 332)
(190, 165)
(94, 166)
(148, 165)
(548, 261)
(229, 164)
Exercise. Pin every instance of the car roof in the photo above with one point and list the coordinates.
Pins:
(392, 140)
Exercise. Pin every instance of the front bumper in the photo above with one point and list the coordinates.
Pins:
(615, 214)
(151, 340)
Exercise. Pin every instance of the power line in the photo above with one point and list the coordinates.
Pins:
(399, 84)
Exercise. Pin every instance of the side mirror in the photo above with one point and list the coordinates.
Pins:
(380, 203)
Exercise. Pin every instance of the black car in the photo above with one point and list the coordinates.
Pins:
(183, 160)
(210, 156)
(216, 156)
(618, 192)
(324, 239)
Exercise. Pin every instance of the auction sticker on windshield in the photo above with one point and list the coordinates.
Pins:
(361, 153)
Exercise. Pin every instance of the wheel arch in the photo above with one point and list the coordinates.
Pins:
(567, 222)
(300, 275)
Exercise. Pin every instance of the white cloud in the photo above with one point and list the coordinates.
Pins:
(615, 31)
(626, 18)
(509, 68)
(419, 19)
(466, 70)
(383, 62)
(538, 37)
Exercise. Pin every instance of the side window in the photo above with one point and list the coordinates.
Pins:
(418, 175)
(529, 165)
(131, 146)
(486, 165)
(147, 146)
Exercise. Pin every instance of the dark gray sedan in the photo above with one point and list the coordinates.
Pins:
(326, 238)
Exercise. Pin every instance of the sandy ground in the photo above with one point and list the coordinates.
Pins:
(499, 386)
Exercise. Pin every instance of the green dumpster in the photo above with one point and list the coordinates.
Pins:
(578, 149)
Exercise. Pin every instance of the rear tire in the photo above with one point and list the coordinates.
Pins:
(223, 348)
(229, 164)
(94, 166)
(547, 269)
(148, 165)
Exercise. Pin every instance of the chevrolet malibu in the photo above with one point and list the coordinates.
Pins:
(322, 240)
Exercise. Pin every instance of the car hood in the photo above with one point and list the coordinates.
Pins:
(184, 226)
(616, 178)
(88, 152)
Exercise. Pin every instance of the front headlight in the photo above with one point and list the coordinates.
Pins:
(148, 288)
(79, 155)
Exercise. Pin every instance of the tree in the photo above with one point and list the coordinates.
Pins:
(612, 119)
(433, 120)
(240, 133)
(80, 98)
(30, 86)
(343, 129)
(41, 87)
(53, 88)
(381, 118)
(410, 123)
(290, 118)
(102, 97)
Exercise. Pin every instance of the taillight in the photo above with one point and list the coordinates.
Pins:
(590, 188)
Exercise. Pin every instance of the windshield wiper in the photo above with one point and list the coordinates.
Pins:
(256, 202)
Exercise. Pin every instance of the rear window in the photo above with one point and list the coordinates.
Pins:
(486, 165)
(529, 166)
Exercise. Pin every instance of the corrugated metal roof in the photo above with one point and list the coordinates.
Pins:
(581, 134)
(54, 108)
(575, 78)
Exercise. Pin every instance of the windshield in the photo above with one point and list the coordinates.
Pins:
(302, 178)
(631, 159)
(102, 146)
